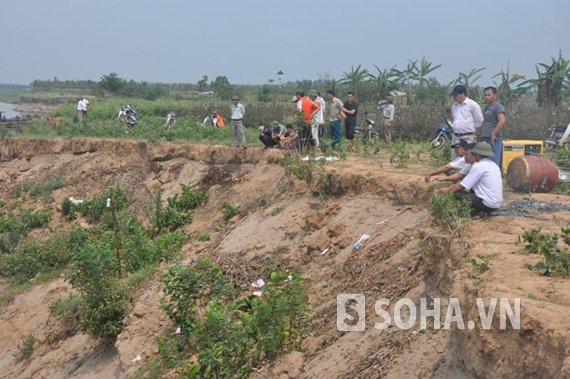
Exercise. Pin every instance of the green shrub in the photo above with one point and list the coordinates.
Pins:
(26, 348)
(103, 307)
(229, 335)
(169, 217)
(188, 199)
(400, 155)
(62, 307)
(230, 210)
(94, 209)
(48, 187)
(32, 257)
(450, 214)
(203, 237)
(556, 261)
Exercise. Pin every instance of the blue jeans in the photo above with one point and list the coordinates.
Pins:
(335, 132)
(497, 149)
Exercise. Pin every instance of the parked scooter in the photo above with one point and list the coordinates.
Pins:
(129, 117)
(170, 119)
(214, 120)
(558, 135)
(367, 133)
(442, 134)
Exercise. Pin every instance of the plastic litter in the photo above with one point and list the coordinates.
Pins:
(75, 201)
(325, 251)
(327, 159)
(108, 202)
(358, 243)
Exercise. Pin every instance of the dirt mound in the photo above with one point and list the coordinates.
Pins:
(283, 224)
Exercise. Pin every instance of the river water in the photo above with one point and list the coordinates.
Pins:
(7, 110)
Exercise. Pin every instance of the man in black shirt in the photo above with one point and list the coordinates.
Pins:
(349, 111)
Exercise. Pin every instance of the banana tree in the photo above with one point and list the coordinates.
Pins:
(407, 76)
(355, 77)
(507, 94)
(550, 83)
(385, 80)
(424, 70)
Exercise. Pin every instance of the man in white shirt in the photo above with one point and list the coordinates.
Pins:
(484, 181)
(456, 165)
(388, 112)
(467, 116)
(237, 114)
(81, 109)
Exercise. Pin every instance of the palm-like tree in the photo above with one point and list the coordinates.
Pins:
(550, 83)
(385, 80)
(424, 70)
(410, 74)
(506, 93)
(469, 79)
(355, 77)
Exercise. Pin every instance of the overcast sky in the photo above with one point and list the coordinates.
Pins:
(249, 41)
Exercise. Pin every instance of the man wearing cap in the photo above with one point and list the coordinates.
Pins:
(238, 111)
(467, 116)
(456, 165)
(388, 111)
(335, 117)
(483, 186)
(493, 122)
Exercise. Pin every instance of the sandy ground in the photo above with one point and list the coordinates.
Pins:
(366, 192)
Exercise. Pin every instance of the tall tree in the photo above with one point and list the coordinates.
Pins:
(385, 80)
(424, 70)
(355, 77)
(507, 95)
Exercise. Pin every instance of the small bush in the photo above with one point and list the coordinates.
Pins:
(48, 187)
(65, 306)
(202, 237)
(169, 217)
(95, 208)
(26, 348)
(230, 210)
(556, 261)
(450, 214)
(400, 155)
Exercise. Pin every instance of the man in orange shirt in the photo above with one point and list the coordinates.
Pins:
(308, 108)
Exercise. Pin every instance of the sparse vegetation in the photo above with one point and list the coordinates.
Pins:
(26, 348)
(400, 155)
(230, 210)
(556, 261)
(450, 214)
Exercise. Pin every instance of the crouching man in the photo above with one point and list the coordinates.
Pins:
(456, 165)
(483, 185)
(266, 137)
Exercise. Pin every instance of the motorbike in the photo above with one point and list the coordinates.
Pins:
(214, 120)
(559, 134)
(170, 119)
(128, 117)
(442, 134)
(367, 133)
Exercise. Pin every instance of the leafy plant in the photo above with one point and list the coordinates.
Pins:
(226, 334)
(275, 211)
(65, 306)
(48, 187)
(202, 237)
(556, 261)
(449, 213)
(230, 210)
(170, 217)
(26, 348)
(400, 155)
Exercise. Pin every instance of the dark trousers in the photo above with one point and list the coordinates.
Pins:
(335, 132)
(267, 140)
(477, 205)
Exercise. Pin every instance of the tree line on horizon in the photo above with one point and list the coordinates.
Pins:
(415, 82)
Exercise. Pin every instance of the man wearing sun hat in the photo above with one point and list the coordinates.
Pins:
(238, 111)
(483, 186)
